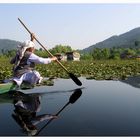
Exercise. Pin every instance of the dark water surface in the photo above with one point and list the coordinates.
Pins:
(100, 108)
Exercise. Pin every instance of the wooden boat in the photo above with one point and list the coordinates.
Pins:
(28, 89)
(8, 86)
(5, 87)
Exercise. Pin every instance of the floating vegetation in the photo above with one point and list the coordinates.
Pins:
(98, 70)
(48, 82)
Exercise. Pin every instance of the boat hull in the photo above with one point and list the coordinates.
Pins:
(4, 88)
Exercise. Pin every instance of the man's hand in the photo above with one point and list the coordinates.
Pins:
(32, 37)
(54, 58)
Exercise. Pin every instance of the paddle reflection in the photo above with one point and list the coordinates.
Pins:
(27, 108)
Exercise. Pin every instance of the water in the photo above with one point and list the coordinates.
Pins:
(101, 108)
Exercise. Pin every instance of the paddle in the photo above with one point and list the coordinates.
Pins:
(72, 76)
(73, 98)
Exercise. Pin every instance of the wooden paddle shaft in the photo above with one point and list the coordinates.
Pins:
(43, 46)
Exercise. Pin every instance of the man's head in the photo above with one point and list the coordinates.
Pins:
(28, 46)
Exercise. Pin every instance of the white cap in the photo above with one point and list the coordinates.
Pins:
(23, 46)
(28, 44)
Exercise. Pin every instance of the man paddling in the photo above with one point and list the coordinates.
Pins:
(24, 63)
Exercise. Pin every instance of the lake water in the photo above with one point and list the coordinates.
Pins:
(99, 108)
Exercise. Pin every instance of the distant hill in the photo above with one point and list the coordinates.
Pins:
(127, 39)
(7, 44)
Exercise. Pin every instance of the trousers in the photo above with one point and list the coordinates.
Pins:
(32, 77)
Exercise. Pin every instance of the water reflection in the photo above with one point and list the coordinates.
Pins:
(73, 98)
(133, 81)
(25, 112)
(27, 107)
(106, 108)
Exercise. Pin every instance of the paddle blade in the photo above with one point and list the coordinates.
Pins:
(75, 79)
(75, 96)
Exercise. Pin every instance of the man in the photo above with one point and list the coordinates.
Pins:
(24, 63)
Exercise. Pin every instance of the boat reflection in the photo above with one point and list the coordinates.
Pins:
(27, 107)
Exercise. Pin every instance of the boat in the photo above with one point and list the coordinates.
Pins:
(9, 86)
(28, 89)
(5, 87)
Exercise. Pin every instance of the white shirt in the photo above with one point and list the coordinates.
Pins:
(36, 59)
(35, 75)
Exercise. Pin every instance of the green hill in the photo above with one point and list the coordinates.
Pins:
(7, 44)
(126, 40)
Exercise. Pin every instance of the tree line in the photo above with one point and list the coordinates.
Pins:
(111, 53)
(95, 54)
(62, 49)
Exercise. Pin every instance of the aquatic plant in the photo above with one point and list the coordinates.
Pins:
(98, 70)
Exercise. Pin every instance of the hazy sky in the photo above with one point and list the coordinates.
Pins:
(77, 25)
